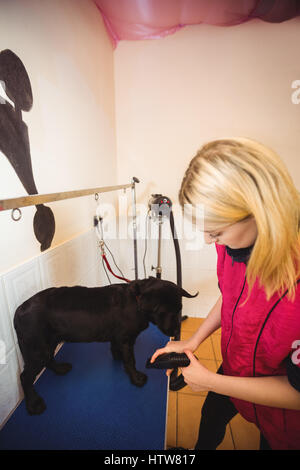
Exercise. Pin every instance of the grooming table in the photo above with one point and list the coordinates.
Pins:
(95, 406)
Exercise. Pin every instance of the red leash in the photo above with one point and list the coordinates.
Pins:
(111, 271)
(101, 245)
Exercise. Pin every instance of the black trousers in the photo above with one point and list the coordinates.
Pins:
(217, 411)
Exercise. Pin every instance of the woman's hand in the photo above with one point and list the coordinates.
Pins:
(196, 376)
(172, 346)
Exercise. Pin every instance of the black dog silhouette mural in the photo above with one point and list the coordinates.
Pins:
(14, 139)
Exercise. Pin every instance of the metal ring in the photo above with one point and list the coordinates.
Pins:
(96, 196)
(14, 217)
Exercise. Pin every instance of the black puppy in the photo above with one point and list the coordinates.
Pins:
(115, 313)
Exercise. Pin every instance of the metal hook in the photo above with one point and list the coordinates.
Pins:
(14, 217)
(96, 196)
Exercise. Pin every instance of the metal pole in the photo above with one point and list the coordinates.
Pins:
(134, 180)
(159, 269)
(36, 199)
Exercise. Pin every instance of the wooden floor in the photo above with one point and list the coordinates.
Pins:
(184, 406)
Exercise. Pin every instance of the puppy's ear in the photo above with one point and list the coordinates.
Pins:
(184, 293)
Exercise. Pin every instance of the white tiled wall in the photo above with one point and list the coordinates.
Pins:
(76, 261)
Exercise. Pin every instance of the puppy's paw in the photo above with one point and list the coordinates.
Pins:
(116, 354)
(139, 379)
(62, 368)
(35, 406)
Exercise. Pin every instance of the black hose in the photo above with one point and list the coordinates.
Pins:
(178, 263)
(173, 376)
(177, 250)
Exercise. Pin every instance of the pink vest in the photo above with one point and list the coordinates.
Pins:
(256, 339)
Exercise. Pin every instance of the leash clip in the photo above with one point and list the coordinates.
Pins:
(101, 245)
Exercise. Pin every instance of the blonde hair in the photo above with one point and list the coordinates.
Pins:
(237, 178)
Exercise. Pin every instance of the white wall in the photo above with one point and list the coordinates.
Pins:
(203, 83)
(69, 58)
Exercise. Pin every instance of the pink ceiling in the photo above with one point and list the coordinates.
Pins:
(151, 19)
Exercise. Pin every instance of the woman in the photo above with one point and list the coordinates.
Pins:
(252, 214)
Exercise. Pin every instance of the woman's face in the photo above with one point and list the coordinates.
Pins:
(238, 235)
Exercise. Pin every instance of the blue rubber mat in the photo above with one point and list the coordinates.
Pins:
(95, 406)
